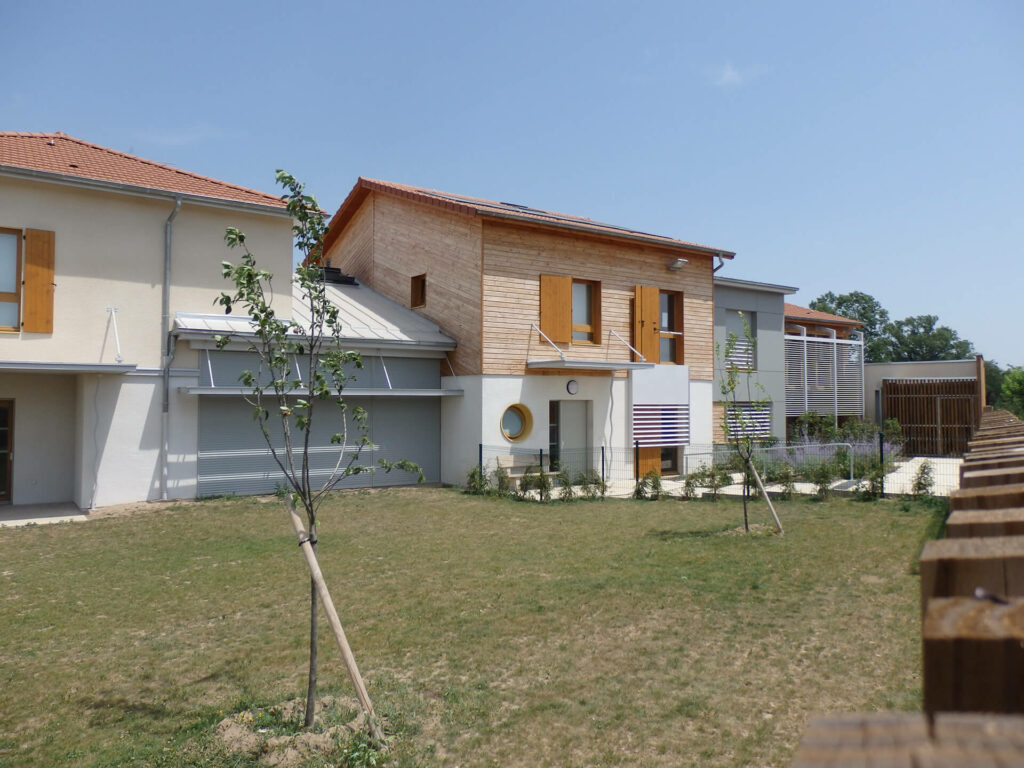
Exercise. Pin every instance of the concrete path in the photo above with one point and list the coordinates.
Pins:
(40, 514)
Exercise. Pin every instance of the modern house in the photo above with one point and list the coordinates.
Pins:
(573, 335)
(110, 388)
(745, 307)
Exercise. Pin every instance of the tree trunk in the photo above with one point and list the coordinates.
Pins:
(746, 485)
(314, 626)
(335, 622)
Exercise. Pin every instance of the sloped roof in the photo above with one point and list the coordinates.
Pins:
(366, 317)
(795, 312)
(60, 154)
(480, 207)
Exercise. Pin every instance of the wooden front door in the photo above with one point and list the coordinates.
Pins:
(6, 448)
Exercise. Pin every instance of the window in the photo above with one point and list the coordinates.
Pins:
(26, 280)
(10, 278)
(670, 327)
(516, 422)
(570, 310)
(418, 294)
(586, 319)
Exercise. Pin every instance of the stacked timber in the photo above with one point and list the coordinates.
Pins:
(972, 607)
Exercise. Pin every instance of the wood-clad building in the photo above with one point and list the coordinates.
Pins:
(572, 334)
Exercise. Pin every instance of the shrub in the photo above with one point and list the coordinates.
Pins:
(822, 476)
(642, 489)
(565, 492)
(543, 486)
(924, 481)
(477, 482)
(503, 482)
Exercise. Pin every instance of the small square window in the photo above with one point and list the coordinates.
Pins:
(418, 296)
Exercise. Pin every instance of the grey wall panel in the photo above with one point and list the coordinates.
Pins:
(233, 457)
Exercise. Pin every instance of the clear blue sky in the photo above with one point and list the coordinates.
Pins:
(871, 146)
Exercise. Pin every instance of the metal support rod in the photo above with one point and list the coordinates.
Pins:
(636, 459)
(117, 336)
(603, 476)
(633, 349)
(480, 461)
(881, 464)
(387, 376)
(561, 354)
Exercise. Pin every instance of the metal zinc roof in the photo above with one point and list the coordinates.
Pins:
(365, 315)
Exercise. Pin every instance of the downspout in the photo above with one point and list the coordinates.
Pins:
(721, 263)
(166, 351)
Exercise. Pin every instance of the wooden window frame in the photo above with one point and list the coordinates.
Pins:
(15, 297)
(593, 328)
(677, 332)
(418, 291)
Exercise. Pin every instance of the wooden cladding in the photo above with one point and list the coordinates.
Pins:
(936, 416)
(37, 314)
(556, 308)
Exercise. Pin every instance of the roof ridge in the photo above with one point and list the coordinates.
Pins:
(143, 160)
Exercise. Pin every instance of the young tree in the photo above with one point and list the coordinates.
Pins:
(737, 422)
(300, 372)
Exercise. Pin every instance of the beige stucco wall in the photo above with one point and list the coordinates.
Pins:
(109, 253)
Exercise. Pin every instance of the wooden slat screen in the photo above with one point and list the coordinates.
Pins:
(37, 311)
(936, 415)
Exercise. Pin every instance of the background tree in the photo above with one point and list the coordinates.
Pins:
(865, 309)
(993, 383)
(300, 373)
(921, 338)
(1012, 393)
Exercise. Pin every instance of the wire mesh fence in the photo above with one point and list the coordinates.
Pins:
(806, 467)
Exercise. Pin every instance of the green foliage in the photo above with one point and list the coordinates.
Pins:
(565, 490)
(924, 480)
(503, 484)
(822, 476)
(642, 489)
(361, 752)
(866, 309)
(477, 481)
(921, 338)
(597, 487)
(892, 432)
(786, 477)
(914, 338)
(711, 477)
(543, 486)
(994, 384)
(1012, 393)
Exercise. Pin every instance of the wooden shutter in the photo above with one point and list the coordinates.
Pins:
(645, 322)
(648, 459)
(556, 308)
(37, 297)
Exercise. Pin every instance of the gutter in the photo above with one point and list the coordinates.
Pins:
(166, 350)
(139, 191)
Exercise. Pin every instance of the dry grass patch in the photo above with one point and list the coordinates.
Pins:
(492, 632)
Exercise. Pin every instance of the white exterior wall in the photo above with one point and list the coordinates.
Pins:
(701, 413)
(461, 419)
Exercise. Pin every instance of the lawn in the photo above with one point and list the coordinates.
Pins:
(492, 632)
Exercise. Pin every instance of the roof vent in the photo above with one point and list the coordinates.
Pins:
(335, 275)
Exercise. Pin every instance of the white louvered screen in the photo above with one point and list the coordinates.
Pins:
(748, 419)
(850, 379)
(661, 424)
(741, 355)
(834, 382)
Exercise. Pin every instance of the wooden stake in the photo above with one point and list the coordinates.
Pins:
(335, 622)
(767, 498)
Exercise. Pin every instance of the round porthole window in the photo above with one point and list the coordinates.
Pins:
(516, 422)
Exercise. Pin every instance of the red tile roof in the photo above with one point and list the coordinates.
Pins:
(479, 207)
(794, 312)
(65, 155)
